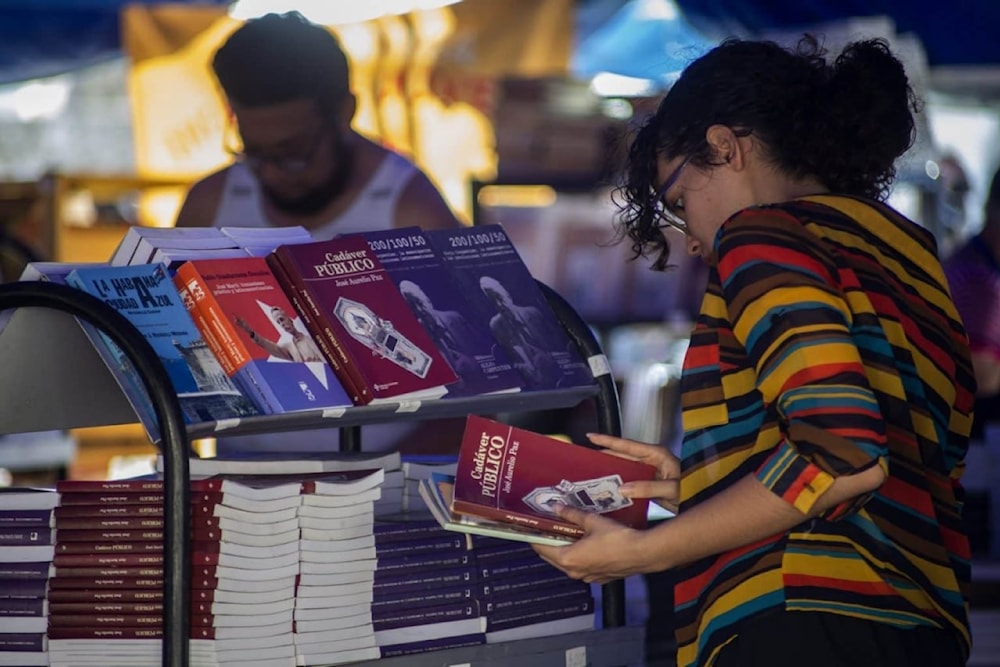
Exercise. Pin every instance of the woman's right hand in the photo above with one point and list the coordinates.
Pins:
(665, 489)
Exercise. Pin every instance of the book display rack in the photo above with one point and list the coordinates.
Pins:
(54, 379)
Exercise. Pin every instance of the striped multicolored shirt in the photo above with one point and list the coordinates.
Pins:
(827, 343)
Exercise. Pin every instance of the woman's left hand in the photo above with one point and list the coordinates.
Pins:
(609, 550)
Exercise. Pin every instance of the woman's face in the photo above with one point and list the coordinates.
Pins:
(697, 198)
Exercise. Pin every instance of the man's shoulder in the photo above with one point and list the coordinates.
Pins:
(203, 199)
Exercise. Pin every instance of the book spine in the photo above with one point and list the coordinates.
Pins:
(11, 537)
(514, 569)
(27, 642)
(423, 646)
(20, 589)
(97, 595)
(107, 510)
(403, 618)
(25, 519)
(403, 531)
(58, 621)
(97, 560)
(37, 570)
(437, 545)
(117, 548)
(461, 576)
(106, 633)
(121, 486)
(409, 564)
(111, 499)
(424, 598)
(115, 536)
(108, 572)
(534, 598)
(61, 583)
(506, 586)
(513, 618)
(22, 607)
(540, 523)
(105, 608)
(109, 523)
(336, 355)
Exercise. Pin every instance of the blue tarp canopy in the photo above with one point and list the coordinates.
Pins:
(40, 38)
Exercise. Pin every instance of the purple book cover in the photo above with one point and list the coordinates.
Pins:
(355, 306)
(516, 617)
(38, 570)
(412, 648)
(387, 619)
(28, 642)
(489, 271)
(460, 328)
(388, 584)
(424, 598)
(22, 607)
(258, 336)
(26, 536)
(25, 518)
(21, 589)
(517, 568)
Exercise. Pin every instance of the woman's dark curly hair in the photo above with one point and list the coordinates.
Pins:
(843, 123)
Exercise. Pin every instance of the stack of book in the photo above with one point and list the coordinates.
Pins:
(245, 560)
(333, 620)
(106, 593)
(393, 491)
(172, 246)
(522, 596)
(26, 552)
(417, 468)
(424, 589)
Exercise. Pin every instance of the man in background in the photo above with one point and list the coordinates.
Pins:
(287, 84)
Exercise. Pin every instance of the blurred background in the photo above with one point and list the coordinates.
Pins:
(519, 110)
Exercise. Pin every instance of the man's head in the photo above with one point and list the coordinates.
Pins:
(287, 82)
(416, 298)
(496, 293)
(282, 319)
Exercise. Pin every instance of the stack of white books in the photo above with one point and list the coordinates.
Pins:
(337, 560)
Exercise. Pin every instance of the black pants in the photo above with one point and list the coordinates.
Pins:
(794, 639)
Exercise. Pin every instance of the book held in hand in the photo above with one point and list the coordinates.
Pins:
(516, 476)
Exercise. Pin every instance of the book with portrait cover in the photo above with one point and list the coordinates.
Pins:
(255, 332)
(488, 269)
(458, 327)
(516, 476)
(361, 321)
(146, 296)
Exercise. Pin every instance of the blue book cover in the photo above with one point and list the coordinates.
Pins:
(488, 269)
(146, 296)
(258, 336)
(458, 327)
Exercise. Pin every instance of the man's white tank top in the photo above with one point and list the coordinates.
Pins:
(373, 208)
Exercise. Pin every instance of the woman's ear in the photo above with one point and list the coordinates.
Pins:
(726, 146)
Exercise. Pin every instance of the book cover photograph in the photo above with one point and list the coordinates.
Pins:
(362, 322)
(518, 476)
(145, 294)
(459, 327)
(488, 269)
(257, 335)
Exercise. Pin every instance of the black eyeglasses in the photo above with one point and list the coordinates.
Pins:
(661, 210)
(291, 164)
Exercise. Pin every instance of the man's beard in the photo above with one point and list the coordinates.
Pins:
(316, 199)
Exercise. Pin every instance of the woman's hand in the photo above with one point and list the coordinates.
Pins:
(665, 489)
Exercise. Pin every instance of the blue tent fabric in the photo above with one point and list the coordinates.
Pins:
(953, 34)
(40, 38)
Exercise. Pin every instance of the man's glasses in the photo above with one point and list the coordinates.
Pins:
(290, 164)
(662, 214)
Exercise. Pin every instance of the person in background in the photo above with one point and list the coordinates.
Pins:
(827, 392)
(287, 84)
(973, 272)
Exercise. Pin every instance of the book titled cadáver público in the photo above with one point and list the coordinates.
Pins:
(518, 476)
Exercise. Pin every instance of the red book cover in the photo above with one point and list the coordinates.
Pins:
(356, 307)
(253, 328)
(513, 475)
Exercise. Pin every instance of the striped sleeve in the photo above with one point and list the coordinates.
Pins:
(780, 285)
